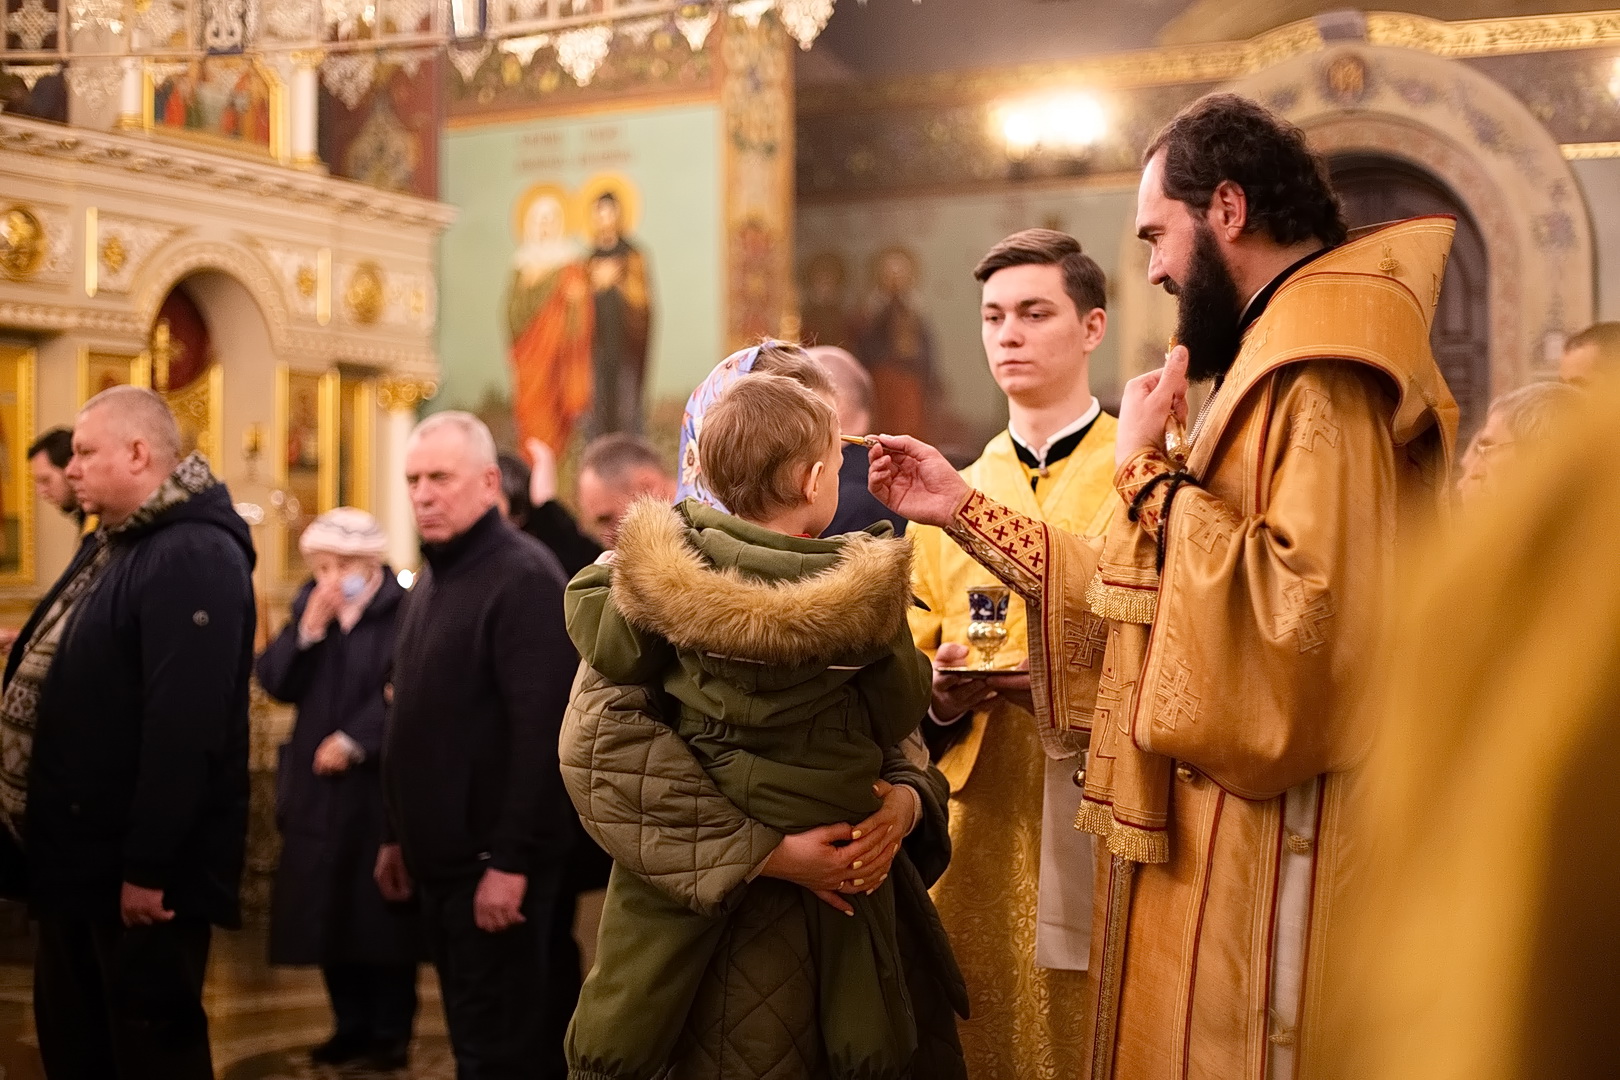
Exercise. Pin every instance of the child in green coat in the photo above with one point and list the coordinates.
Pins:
(791, 670)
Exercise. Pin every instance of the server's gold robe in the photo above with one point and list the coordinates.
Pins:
(1011, 896)
(1230, 722)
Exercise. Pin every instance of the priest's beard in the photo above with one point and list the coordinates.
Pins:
(1208, 310)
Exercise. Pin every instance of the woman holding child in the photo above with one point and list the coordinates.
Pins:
(739, 666)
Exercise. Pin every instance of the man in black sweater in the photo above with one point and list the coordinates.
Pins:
(482, 670)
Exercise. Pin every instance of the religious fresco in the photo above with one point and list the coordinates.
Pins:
(562, 317)
(227, 99)
(390, 138)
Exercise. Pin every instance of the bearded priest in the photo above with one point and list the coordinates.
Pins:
(1239, 590)
(1016, 898)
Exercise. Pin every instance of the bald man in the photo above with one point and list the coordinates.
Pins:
(123, 751)
(1590, 353)
(852, 385)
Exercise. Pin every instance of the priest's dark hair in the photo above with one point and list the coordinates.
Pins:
(1223, 137)
(1083, 279)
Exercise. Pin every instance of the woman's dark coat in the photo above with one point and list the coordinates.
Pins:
(325, 907)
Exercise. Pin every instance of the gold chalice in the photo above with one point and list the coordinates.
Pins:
(987, 622)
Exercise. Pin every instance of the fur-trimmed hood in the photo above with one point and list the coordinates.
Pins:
(710, 582)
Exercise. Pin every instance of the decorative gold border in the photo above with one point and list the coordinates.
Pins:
(139, 370)
(1220, 61)
(26, 359)
(363, 448)
(280, 148)
(1590, 151)
(637, 103)
(327, 439)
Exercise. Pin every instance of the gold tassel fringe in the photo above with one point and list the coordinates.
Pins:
(1121, 604)
(1126, 841)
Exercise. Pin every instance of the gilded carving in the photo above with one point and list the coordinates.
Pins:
(1493, 37)
(365, 293)
(22, 243)
(113, 253)
(404, 392)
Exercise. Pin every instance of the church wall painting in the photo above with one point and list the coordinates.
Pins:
(583, 280)
(893, 280)
(230, 101)
(390, 138)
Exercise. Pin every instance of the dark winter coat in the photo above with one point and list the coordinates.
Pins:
(139, 769)
(326, 908)
(482, 669)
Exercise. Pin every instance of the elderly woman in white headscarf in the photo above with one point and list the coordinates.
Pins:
(332, 661)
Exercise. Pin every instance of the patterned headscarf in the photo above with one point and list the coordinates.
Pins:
(728, 371)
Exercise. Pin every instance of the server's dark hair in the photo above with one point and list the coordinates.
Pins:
(1223, 137)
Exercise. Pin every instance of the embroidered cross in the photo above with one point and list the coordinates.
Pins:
(1114, 700)
(1174, 701)
(1089, 643)
(1315, 423)
(1202, 520)
(1304, 616)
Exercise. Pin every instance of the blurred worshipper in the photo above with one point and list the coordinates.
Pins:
(123, 751)
(700, 603)
(1225, 766)
(623, 322)
(1492, 939)
(1529, 416)
(769, 357)
(332, 660)
(549, 318)
(1590, 353)
(852, 392)
(48, 459)
(481, 831)
(614, 471)
(1017, 897)
(588, 865)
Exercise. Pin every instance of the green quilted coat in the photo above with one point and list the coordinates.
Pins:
(790, 672)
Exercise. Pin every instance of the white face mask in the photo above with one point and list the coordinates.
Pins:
(353, 584)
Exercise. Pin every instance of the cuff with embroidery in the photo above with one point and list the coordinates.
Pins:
(1137, 473)
(1005, 542)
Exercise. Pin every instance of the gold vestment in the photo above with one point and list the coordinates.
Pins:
(1023, 1024)
(1226, 713)
(1489, 950)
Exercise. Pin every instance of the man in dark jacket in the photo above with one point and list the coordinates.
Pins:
(852, 384)
(482, 671)
(123, 751)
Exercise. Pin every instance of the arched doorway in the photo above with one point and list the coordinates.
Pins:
(1377, 189)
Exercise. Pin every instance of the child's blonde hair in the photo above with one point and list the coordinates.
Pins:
(758, 438)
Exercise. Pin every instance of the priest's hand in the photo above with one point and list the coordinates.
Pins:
(954, 696)
(914, 480)
(1148, 403)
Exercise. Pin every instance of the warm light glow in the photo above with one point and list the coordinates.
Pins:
(406, 578)
(1065, 123)
(1614, 80)
(92, 248)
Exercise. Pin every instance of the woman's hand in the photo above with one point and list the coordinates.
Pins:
(815, 860)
